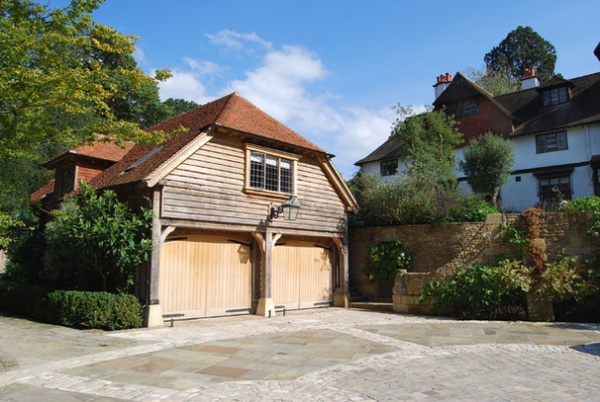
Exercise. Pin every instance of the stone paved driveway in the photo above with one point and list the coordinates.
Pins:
(323, 355)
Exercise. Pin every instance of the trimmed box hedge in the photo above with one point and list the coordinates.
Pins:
(101, 310)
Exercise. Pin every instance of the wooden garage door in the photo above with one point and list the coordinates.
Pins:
(301, 275)
(204, 276)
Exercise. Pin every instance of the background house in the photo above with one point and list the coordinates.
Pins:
(555, 128)
(220, 246)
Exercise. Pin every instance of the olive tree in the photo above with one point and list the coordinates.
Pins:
(487, 163)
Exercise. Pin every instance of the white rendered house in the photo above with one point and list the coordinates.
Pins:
(555, 129)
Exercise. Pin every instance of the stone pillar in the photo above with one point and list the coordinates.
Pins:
(400, 292)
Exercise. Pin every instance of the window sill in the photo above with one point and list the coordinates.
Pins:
(267, 194)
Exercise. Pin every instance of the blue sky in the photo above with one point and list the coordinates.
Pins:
(332, 69)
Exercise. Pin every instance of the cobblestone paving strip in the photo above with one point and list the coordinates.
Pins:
(326, 355)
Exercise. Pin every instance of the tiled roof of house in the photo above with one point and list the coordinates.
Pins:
(390, 149)
(232, 112)
(526, 106)
(100, 149)
(42, 191)
(463, 88)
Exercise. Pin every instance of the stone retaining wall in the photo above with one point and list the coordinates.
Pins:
(439, 250)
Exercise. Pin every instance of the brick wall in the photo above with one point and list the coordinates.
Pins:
(438, 250)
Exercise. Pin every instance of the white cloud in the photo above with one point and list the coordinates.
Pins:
(278, 87)
(283, 86)
(362, 131)
(203, 67)
(183, 85)
(235, 40)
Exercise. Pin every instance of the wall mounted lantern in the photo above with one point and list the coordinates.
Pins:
(288, 209)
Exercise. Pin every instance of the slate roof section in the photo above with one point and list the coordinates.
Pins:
(526, 106)
(231, 112)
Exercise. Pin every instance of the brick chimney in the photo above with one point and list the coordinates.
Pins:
(442, 83)
(530, 79)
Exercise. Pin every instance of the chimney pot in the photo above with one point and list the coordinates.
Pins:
(530, 79)
(442, 83)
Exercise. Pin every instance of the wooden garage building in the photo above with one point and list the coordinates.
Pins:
(218, 249)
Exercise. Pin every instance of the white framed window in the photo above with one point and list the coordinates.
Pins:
(551, 142)
(270, 170)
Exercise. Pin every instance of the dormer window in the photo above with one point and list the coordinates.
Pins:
(464, 107)
(555, 96)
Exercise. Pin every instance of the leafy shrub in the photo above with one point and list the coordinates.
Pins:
(95, 242)
(590, 205)
(385, 259)
(95, 309)
(100, 310)
(570, 278)
(404, 202)
(24, 299)
(477, 291)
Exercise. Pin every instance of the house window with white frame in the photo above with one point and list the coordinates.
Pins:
(388, 167)
(271, 173)
(555, 96)
(555, 189)
(551, 142)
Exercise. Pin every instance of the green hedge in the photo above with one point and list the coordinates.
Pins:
(71, 308)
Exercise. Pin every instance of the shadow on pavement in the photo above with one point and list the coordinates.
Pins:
(590, 348)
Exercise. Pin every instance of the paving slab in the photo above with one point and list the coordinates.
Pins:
(311, 355)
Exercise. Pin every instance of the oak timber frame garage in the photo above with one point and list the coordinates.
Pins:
(217, 250)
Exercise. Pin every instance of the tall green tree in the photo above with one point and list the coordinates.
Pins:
(495, 82)
(178, 106)
(487, 163)
(429, 146)
(522, 48)
(63, 77)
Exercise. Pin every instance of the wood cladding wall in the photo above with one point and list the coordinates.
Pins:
(209, 187)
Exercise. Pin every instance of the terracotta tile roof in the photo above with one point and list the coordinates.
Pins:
(235, 112)
(42, 191)
(232, 111)
(100, 149)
